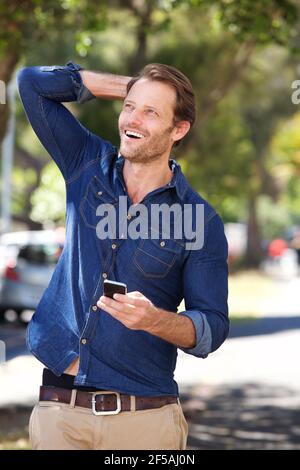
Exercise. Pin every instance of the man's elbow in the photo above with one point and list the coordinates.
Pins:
(215, 332)
(220, 333)
(25, 77)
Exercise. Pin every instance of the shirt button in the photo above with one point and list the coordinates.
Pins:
(129, 216)
(114, 246)
(94, 307)
(100, 193)
(162, 243)
(104, 275)
(83, 341)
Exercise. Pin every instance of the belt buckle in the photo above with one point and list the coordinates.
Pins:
(94, 403)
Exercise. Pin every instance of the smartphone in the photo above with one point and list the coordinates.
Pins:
(113, 287)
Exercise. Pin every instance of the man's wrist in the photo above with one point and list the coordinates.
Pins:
(174, 328)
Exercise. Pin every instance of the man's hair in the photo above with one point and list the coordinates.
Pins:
(185, 107)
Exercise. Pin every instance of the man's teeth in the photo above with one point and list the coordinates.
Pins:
(134, 134)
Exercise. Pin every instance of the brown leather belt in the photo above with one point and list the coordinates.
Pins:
(104, 402)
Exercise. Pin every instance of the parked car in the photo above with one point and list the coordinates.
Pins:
(28, 260)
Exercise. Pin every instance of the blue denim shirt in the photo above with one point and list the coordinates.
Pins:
(67, 322)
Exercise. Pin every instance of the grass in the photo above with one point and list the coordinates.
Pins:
(248, 291)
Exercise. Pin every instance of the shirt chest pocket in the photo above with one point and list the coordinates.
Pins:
(96, 203)
(155, 258)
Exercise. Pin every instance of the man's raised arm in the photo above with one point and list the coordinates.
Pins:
(104, 85)
(44, 89)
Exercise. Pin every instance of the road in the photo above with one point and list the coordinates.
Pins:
(14, 336)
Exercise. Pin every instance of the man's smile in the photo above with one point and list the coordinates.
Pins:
(133, 134)
(130, 135)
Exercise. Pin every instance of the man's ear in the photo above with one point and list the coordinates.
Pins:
(180, 130)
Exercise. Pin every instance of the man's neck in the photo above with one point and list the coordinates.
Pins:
(141, 178)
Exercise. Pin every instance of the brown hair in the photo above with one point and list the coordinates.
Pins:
(185, 108)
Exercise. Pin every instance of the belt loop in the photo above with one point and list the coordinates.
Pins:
(73, 398)
(132, 403)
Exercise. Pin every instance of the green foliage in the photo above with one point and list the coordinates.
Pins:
(26, 21)
(273, 218)
(49, 200)
(285, 151)
(228, 154)
(220, 163)
(21, 180)
(269, 21)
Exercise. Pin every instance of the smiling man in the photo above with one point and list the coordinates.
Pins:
(109, 376)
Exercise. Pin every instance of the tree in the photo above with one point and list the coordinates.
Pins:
(211, 41)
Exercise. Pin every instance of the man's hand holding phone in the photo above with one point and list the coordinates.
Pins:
(133, 309)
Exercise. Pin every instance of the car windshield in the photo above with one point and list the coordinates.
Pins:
(41, 253)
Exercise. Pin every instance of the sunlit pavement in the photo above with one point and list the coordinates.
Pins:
(244, 396)
(267, 359)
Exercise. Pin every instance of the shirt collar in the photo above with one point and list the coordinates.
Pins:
(178, 180)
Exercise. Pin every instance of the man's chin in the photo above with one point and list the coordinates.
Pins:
(129, 155)
(132, 157)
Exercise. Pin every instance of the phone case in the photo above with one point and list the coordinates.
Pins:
(112, 287)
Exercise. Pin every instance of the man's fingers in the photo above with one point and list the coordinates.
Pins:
(135, 293)
(114, 313)
(130, 299)
(118, 306)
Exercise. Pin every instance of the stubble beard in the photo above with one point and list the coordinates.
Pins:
(150, 151)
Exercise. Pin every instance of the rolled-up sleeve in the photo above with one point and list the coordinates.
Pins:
(205, 284)
(43, 89)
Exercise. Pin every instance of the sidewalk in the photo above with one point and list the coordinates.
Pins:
(244, 396)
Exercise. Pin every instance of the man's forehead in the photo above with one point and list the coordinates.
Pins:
(151, 93)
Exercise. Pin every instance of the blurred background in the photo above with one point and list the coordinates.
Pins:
(243, 156)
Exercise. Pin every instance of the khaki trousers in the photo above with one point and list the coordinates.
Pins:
(60, 426)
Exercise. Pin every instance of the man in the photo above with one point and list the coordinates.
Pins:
(108, 381)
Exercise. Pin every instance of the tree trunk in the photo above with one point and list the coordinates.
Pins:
(30, 224)
(238, 66)
(26, 160)
(254, 253)
(142, 10)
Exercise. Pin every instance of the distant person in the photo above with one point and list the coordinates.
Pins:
(276, 248)
(109, 376)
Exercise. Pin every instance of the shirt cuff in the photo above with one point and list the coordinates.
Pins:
(83, 93)
(203, 334)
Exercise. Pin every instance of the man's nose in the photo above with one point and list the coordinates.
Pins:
(135, 117)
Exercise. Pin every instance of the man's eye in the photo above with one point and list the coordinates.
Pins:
(128, 106)
(152, 112)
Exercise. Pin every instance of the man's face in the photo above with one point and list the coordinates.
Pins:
(146, 122)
